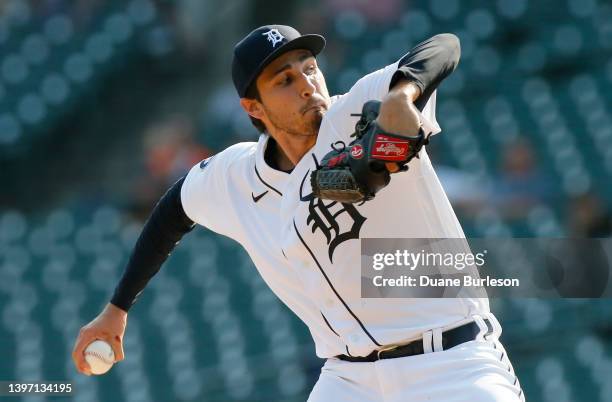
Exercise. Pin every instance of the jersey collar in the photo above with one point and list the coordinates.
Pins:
(269, 177)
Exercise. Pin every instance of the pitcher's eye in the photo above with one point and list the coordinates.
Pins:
(285, 81)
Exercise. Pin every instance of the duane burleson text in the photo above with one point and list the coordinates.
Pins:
(428, 281)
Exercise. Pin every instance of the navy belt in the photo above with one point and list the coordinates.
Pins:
(451, 338)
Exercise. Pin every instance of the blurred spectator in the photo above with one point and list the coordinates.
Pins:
(84, 11)
(465, 192)
(311, 18)
(520, 183)
(581, 268)
(81, 12)
(263, 12)
(170, 150)
(193, 19)
(378, 12)
(587, 216)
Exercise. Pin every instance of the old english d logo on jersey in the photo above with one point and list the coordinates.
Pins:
(324, 217)
(274, 36)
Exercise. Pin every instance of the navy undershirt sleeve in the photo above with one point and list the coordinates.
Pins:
(427, 64)
(163, 230)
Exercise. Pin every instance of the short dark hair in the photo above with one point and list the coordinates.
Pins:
(253, 93)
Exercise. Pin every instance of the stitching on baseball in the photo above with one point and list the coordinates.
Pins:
(99, 356)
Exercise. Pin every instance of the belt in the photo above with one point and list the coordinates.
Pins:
(451, 338)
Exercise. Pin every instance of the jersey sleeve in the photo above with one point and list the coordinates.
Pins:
(204, 194)
(427, 64)
(373, 86)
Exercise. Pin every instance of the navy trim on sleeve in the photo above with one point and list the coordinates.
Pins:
(427, 64)
(163, 230)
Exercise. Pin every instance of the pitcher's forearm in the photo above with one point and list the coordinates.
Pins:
(397, 111)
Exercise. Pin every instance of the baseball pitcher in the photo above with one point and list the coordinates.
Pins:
(326, 172)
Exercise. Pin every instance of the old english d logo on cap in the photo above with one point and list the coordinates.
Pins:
(256, 50)
(274, 36)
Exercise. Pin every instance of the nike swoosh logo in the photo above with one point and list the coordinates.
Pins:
(205, 162)
(257, 198)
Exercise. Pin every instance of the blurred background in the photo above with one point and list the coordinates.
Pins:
(104, 104)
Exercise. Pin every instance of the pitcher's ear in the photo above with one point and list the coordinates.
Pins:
(252, 106)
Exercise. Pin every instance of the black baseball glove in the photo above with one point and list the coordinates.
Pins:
(356, 172)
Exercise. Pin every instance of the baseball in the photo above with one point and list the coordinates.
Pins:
(100, 357)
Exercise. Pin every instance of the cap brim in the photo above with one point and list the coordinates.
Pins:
(313, 42)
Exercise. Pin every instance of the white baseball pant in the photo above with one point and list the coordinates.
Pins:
(475, 371)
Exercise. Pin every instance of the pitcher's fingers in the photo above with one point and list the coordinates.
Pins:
(84, 339)
(81, 365)
(79, 346)
(392, 167)
(84, 368)
(117, 346)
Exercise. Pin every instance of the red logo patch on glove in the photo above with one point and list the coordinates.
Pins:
(357, 151)
(390, 148)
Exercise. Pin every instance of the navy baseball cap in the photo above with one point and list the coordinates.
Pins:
(260, 47)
